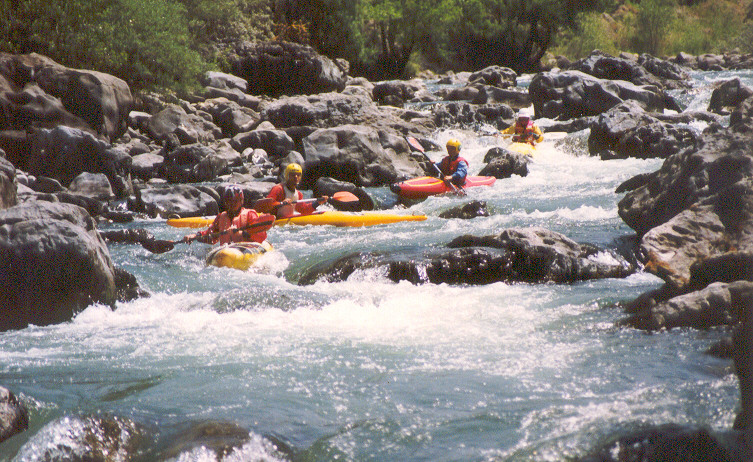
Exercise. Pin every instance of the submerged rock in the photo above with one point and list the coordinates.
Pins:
(14, 416)
(532, 255)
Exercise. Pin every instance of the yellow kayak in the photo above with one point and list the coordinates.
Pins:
(239, 255)
(522, 148)
(332, 218)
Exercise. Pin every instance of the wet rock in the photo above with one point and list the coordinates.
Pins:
(532, 255)
(14, 416)
(718, 304)
(502, 163)
(627, 131)
(397, 92)
(470, 210)
(53, 263)
(687, 178)
(222, 438)
(667, 443)
(86, 438)
(728, 95)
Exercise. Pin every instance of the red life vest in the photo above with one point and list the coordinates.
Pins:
(244, 218)
(278, 193)
(448, 167)
(524, 133)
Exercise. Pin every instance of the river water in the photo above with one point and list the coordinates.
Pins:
(368, 369)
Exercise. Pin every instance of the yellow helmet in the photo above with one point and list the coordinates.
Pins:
(292, 168)
(453, 143)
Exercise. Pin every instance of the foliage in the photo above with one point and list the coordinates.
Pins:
(592, 31)
(652, 24)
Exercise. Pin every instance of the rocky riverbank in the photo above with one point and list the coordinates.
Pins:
(79, 149)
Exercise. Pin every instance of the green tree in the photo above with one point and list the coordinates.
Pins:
(652, 24)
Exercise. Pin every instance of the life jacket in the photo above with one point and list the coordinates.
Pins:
(244, 218)
(280, 192)
(448, 166)
(524, 133)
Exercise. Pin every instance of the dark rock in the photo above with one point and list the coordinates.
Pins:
(87, 438)
(728, 95)
(283, 68)
(276, 143)
(8, 196)
(53, 263)
(573, 94)
(188, 128)
(326, 186)
(627, 131)
(502, 163)
(14, 416)
(471, 115)
(100, 101)
(357, 154)
(174, 201)
(496, 76)
(470, 210)
(63, 153)
(666, 443)
(525, 255)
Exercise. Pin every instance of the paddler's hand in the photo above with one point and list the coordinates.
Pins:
(189, 238)
(447, 178)
(287, 202)
(322, 199)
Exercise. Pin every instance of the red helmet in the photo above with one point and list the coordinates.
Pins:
(232, 197)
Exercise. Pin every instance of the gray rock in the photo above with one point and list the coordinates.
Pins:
(53, 263)
(14, 416)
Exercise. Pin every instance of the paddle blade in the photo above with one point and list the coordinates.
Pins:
(265, 205)
(345, 196)
(414, 143)
(157, 245)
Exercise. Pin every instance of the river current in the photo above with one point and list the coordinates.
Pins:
(368, 369)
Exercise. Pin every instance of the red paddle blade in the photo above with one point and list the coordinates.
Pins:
(414, 143)
(265, 205)
(345, 196)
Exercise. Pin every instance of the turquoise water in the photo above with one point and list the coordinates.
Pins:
(372, 370)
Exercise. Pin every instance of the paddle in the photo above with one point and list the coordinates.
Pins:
(270, 205)
(162, 246)
(459, 190)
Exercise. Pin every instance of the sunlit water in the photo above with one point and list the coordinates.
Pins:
(372, 370)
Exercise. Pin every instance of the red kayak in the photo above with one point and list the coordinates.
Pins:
(425, 186)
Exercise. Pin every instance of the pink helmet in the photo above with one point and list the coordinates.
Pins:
(232, 197)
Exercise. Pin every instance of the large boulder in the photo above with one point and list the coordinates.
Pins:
(727, 95)
(357, 154)
(283, 68)
(53, 263)
(688, 177)
(63, 153)
(188, 128)
(573, 94)
(627, 131)
(101, 100)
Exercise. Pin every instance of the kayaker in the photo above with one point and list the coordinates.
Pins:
(234, 216)
(453, 168)
(287, 192)
(524, 130)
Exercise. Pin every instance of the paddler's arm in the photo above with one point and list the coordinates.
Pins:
(460, 173)
(538, 135)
